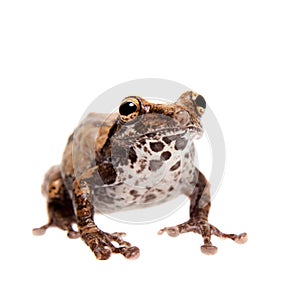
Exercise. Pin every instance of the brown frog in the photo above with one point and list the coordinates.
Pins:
(141, 156)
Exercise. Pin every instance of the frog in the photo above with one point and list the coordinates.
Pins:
(137, 157)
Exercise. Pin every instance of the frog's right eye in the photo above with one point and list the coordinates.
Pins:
(129, 109)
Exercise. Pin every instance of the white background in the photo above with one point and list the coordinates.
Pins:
(243, 56)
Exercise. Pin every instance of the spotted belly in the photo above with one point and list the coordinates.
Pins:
(150, 180)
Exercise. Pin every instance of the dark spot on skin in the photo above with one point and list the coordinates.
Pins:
(155, 164)
(150, 197)
(107, 173)
(180, 143)
(175, 167)
(165, 155)
(145, 149)
(169, 139)
(170, 189)
(133, 192)
(151, 135)
(186, 155)
(157, 146)
(132, 155)
(143, 141)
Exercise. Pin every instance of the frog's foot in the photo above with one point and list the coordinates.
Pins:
(41, 230)
(71, 233)
(103, 244)
(206, 230)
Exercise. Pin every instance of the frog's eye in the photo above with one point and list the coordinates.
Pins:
(200, 103)
(129, 109)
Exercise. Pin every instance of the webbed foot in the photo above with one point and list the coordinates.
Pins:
(103, 244)
(206, 230)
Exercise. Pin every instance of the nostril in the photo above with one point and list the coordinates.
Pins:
(182, 117)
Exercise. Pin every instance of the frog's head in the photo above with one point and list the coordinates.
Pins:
(147, 118)
(145, 130)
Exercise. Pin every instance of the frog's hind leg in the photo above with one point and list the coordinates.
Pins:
(59, 204)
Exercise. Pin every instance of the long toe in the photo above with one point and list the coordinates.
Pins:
(241, 238)
(103, 254)
(131, 252)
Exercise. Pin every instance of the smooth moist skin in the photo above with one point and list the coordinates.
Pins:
(139, 157)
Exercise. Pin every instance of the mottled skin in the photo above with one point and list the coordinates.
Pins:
(139, 157)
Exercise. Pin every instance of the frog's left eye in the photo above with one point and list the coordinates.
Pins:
(200, 103)
(129, 109)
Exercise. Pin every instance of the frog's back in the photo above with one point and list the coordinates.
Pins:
(79, 154)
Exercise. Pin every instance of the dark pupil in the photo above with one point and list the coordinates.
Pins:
(127, 108)
(200, 101)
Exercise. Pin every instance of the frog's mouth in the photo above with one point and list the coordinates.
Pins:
(189, 131)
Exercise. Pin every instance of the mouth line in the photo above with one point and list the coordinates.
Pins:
(165, 132)
(172, 131)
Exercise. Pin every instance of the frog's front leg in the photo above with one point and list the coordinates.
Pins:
(198, 222)
(101, 243)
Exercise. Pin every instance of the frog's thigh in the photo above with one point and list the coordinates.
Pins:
(59, 204)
